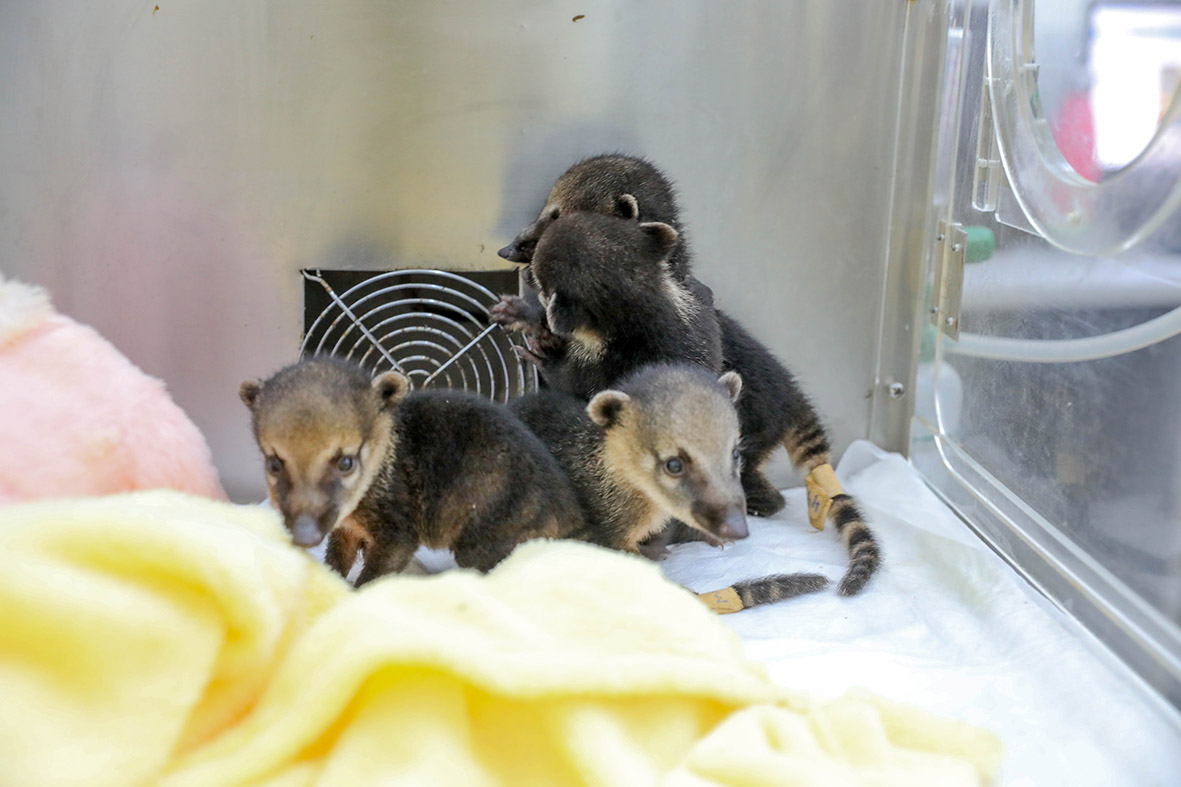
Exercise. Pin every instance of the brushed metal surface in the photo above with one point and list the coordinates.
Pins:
(168, 167)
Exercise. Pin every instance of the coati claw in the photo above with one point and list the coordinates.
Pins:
(541, 346)
(525, 354)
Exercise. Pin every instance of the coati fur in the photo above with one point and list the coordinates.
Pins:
(611, 304)
(613, 185)
(773, 410)
(382, 470)
(662, 444)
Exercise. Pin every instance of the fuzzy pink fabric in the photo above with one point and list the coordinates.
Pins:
(77, 418)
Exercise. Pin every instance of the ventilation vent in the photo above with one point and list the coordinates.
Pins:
(431, 325)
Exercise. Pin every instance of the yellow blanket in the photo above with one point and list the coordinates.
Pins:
(157, 638)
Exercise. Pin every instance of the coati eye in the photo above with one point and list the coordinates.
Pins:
(346, 464)
(553, 215)
(674, 466)
(737, 455)
(274, 465)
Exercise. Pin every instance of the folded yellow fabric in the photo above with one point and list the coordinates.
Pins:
(157, 638)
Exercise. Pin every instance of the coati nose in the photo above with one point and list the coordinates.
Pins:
(305, 532)
(726, 521)
(521, 249)
(733, 527)
(521, 254)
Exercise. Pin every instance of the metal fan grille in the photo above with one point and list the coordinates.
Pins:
(431, 325)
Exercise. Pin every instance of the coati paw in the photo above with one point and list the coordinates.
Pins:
(525, 354)
(513, 313)
(545, 342)
(654, 550)
(541, 346)
(765, 508)
(679, 533)
(762, 499)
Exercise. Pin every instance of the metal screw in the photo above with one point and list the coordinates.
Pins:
(897, 390)
(955, 247)
(933, 310)
(939, 238)
(949, 321)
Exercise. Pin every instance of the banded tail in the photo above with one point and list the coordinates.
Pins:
(864, 555)
(766, 590)
(807, 445)
(777, 587)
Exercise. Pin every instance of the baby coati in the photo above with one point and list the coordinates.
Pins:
(662, 444)
(382, 470)
(773, 409)
(610, 184)
(611, 304)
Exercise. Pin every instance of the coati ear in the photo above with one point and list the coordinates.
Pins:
(248, 391)
(733, 383)
(391, 388)
(627, 207)
(661, 235)
(606, 407)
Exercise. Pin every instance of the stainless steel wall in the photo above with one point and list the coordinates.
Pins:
(166, 169)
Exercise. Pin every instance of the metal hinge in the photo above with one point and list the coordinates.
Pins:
(950, 252)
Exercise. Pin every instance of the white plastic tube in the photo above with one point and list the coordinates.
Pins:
(1090, 348)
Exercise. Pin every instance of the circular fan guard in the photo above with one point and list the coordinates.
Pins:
(431, 325)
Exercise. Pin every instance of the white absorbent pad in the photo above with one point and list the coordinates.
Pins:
(946, 625)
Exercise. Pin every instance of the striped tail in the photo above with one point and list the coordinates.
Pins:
(864, 555)
(808, 446)
(806, 441)
(768, 590)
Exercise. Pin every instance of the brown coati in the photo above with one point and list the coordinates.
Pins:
(773, 410)
(384, 471)
(662, 444)
(611, 304)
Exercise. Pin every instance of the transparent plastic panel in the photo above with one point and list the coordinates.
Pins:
(1055, 420)
(1075, 169)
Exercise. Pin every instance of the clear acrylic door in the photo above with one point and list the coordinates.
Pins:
(1048, 403)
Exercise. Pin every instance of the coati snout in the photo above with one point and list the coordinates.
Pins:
(521, 249)
(673, 432)
(323, 429)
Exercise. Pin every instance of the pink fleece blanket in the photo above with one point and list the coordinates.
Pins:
(77, 418)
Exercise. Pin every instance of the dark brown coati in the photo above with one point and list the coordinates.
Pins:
(610, 184)
(384, 471)
(773, 410)
(663, 444)
(611, 304)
